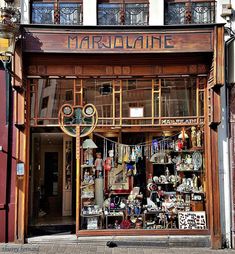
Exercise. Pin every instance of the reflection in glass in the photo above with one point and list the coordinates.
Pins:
(127, 14)
(137, 93)
(109, 14)
(99, 93)
(201, 103)
(50, 98)
(136, 14)
(42, 13)
(70, 14)
(156, 105)
(178, 97)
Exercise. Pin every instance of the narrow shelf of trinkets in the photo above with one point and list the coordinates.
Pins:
(164, 163)
(192, 150)
(163, 183)
(190, 171)
(87, 166)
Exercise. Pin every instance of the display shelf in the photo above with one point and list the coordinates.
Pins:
(169, 163)
(155, 220)
(92, 221)
(87, 166)
(113, 220)
(190, 171)
(192, 150)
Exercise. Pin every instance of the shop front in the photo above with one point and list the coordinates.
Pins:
(123, 129)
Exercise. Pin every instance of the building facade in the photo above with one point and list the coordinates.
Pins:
(116, 113)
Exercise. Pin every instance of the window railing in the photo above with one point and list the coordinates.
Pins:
(189, 12)
(65, 13)
(123, 14)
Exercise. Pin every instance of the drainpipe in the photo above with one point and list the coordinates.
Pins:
(225, 171)
(9, 122)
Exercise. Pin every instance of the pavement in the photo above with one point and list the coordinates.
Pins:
(70, 244)
(100, 248)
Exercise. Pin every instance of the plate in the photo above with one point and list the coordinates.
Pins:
(197, 160)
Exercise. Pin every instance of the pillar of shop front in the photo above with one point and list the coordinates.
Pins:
(215, 82)
(8, 34)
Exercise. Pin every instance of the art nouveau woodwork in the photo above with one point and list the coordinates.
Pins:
(125, 57)
(71, 41)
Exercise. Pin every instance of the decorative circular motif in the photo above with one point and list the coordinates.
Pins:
(197, 160)
(72, 116)
(67, 110)
(88, 110)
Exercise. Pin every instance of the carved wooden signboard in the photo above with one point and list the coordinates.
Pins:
(119, 42)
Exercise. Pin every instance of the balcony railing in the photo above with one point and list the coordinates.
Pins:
(65, 13)
(123, 14)
(190, 13)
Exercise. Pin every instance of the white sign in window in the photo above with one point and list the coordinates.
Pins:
(137, 112)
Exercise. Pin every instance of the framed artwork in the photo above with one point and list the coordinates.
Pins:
(192, 220)
(118, 181)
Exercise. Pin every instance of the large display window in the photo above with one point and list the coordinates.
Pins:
(156, 184)
(150, 179)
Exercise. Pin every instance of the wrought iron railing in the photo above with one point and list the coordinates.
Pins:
(190, 13)
(65, 13)
(123, 14)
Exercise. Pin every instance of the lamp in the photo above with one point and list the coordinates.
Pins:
(9, 29)
(88, 144)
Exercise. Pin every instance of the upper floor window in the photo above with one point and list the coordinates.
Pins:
(123, 13)
(189, 12)
(65, 13)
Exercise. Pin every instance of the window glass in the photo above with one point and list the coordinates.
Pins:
(109, 14)
(70, 13)
(178, 97)
(51, 95)
(136, 14)
(137, 94)
(123, 14)
(43, 13)
(51, 13)
(175, 13)
(99, 93)
(202, 12)
(187, 12)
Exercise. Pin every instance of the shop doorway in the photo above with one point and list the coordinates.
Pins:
(51, 185)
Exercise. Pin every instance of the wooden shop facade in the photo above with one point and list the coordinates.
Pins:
(117, 129)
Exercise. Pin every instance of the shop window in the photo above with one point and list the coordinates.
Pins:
(155, 184)
(178, 97)
(124, 13)
(54, 96)
(66, 13)
(124, 102)
(136, 94)
(189, 12)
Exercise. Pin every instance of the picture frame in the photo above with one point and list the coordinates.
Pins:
(117, 181)
(192, 220)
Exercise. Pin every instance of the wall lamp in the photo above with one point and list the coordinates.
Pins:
(9, 31)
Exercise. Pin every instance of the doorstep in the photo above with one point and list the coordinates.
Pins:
(195, 241)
